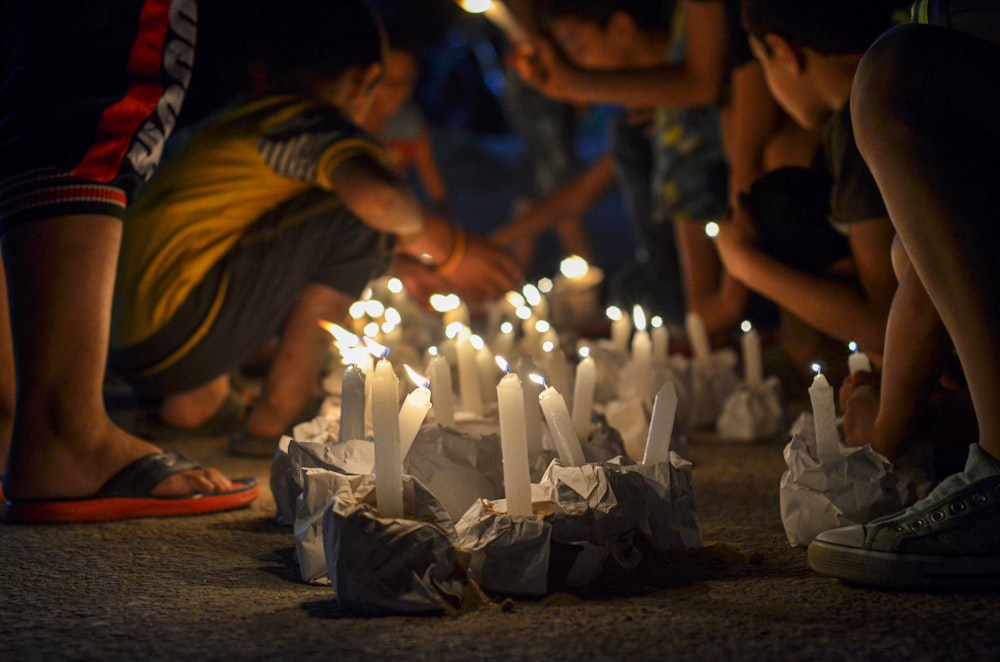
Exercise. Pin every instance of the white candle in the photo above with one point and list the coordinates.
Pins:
(503, 342)
(413, 411)
(753, 364)
(352, 407)
(661, 340)
(513, 444)
(621, 328)
(858, 361)
(561, 427)
(468, 374)
(388, 461)
(661, 425)
(583, 395)
(439, 373)
(532, 409)
(642, 356)
(557, 367)
(539, 305)
(697, 336)
(486, 367)
(825, 418)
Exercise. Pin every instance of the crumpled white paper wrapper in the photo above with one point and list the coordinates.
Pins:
(598, 508)
(713, 379)
(752, 413)
(860, 486)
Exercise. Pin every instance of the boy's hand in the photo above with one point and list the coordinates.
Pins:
(485, 273)
(546, 69)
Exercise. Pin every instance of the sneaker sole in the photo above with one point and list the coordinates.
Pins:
(905, 571)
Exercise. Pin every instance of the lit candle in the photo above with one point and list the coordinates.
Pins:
(413, 411)
(539, 305)
(513, 442)
(661, 425)
(858, 361)
(642, 356)
(448, 345)
(556, 366)
(753, 365)
(352, 407)
(825, 418)
(486, 367)
(452, 308)
(388, 460)
(503, 342)
(439, 373)
(560, 426)
(621, 328)
(661, 340)
(532, 409)
(697, 336)
(468, 374)
(583, 393)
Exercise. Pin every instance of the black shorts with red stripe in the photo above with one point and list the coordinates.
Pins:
(91, 90)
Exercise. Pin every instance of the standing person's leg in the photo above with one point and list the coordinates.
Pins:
(6, 376)
(932, 142)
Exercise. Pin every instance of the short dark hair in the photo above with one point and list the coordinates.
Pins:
(304, 42)
(829, 27)
(653, 15)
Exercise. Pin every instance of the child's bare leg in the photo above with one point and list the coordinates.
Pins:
(301, 354)
(61, 274)
(192, 408)
(932, 154)
(6, 373)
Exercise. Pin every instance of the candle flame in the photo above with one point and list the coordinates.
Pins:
(574, 267)
(515, 299)
(444, 303)
(542, 326)
(374, 308)
(395, 285)
(711, 229)
(343, 337)
(433, 350)
(476, 6)
(357, 310)
(538, 379)
(817, 368)
(506, 327)
(377, 350)
(393, 317)
(548, 346)
(477, 342)
(367, 294)
(639, 317)
(453, 329)
(614, 313)
(656, 322)
(503, 364)
(746, 326)
(584, 352)
(853, 346)
(523, 313)
(418, 380)
(532, 295)
(371, 329)
(545, 285)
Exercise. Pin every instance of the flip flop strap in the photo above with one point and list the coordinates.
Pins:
(141, 477)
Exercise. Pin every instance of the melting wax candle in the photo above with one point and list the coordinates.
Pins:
(513, 442)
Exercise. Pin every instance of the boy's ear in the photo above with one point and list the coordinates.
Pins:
(785, 53)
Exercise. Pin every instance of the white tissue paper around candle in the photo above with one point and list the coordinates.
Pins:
(621, 328)
(753, 365)
(413, 411)
(532, 408)
(352, 409)
(439, 373)
(661, 425)
(487, 368)
(583, 396)
(825, 418)
(561, 427)
(642, 357)
(388, 461)
(514, 445)
(858, 361)
(468, 374)
(661, 341)
(697, 336)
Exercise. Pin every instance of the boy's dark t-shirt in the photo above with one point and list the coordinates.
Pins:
(855, 196)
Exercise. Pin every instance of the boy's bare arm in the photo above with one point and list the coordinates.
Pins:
(377, 195)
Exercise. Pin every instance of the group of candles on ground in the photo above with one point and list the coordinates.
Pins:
(660, 391)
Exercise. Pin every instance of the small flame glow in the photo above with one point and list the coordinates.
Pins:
(433, 350)
(343, 337)
(614, 313)
(817, 368)
(656, 322)
(358, 309)
(503, 364)
(746, 326)
(548, 346)
(532, 295)
(574, 267)
(453, 329)
(418, 380)
(506, 327)
(545, 285)
(711, 229)
(523, 313)
(515, 299)
(853, 346)
(639, 317)
(444, 303)
(477, 342)
(395, 285)
(584, 352)
(376, 350)
(388, 327)
(477, 6)
(374, 308)
(371, 329)
(542, 326)
(393, 317)
(538, 379)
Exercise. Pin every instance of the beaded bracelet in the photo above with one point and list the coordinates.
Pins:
(457, 254)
